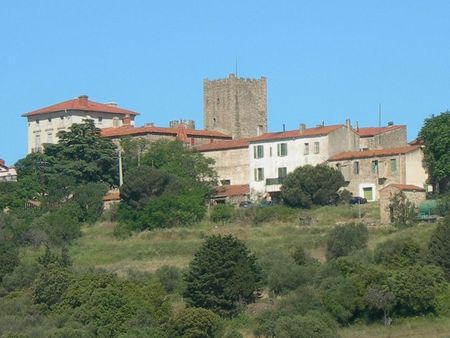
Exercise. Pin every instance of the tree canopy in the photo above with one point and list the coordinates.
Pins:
(435, 136)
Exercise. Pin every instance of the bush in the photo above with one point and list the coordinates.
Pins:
(222, 213)
(170, 277)
(9, 257)
(233, 334)
(301, 301)
(274, 213)
(439, 245)
(312, 325)
(397, 252)
(266, 323)
(403, 211)
(50, 285)
(89, 198)
(198, 322)
(415, 288)
(344, 239)
(223, 276)
(22, 276)
(308, 185)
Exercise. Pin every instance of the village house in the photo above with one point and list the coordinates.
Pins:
(45, 123)
(7, 174)
(273, 156)
(391, 136)
(416, 195)
(370, 170)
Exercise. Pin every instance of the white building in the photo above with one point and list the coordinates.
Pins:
(273, 156)
(45, 123)
(7, 174)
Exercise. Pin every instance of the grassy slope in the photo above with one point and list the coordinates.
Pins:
(98, 248)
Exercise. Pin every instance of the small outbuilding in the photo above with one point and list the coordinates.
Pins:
(233, 194)
(413, 193)
(111, 197)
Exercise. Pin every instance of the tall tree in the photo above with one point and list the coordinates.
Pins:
(435, 136)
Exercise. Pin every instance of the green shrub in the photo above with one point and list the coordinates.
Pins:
(311, 325)
(233, 334)
(170, 277)
(223, 276)
(50, 285)
(222, 213)
(9, 257)
(442, 302)
(397, 252)
(266, 323)
(89, 198)
(439, 246)
(403, 211)
(275, 213)
(415, 288)
(301, 301)
(345, 239)
(198, 322)
(22, 276)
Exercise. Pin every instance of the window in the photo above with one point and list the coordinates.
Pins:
(49, 137)
(374, 167)
(62, 118)
(258, 151)
(270, 151)
(316, 147)
(37, 121)
(356, 168)
(368, 193)
(225, 182)
(49, 120)
(282, 149)
(100, 119)
(393, 165)
(282, 172)
(259, 174)
(37, 140)
(115, 121)
(306, 152)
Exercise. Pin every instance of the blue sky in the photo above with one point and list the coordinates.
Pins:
(324, 60)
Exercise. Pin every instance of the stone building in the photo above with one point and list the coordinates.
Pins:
(413, 193)
(7, 174)
(370, 170)
(45, 123)
(235, 106)
(382, 137)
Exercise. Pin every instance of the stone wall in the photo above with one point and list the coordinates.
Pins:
(235, 106)
(389, 139)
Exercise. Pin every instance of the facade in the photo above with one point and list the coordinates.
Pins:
(368, 171)
(7, 174)
(382, 137)
(274, 155)
(414, 194)
(235, 106)
(45, 123)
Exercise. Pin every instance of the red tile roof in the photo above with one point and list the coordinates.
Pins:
(130, 130)
(404, 187)
(232, 190)
(317, 131)
(81, 104)
(112, 195)
(223, 145)
(372, 131)
(349, 155)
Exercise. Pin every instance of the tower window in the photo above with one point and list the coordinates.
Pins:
(218, 100)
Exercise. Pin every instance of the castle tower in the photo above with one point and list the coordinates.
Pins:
(235, 106)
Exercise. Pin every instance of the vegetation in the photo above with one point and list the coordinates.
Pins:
(345, 239)
(403, 211)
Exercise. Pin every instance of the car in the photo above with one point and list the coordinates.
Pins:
(358, 200)
(245, 204)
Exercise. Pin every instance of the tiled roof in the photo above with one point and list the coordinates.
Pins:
(405, 187)
(317, 131)
(349, 155)
(112, 195)
(82, 104)
(130, 130)
(232, 190)
(223, 145)
(372, 131)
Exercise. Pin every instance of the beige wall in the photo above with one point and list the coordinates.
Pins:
(389, 139)
(343, 139)
(416, 173)
(231, 164)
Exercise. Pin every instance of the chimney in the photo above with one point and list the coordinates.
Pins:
(302, 127)
(83, 99)
(2, 162)
(126, 121)
(348, 123)
(390, 123)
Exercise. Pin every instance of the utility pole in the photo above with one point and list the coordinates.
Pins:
(120, 167)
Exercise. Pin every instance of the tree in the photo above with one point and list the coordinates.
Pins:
(50, 285)
(345, 239)
(311, 325)
(435, 136)
(381, 299)
(403, 211)
(222, 213)
(397, 252)
(198, 323)
(439, 245)
(89, 197)
(310, 185)
(83, 154)
(222, 276)
(9, 257)
(133, 151)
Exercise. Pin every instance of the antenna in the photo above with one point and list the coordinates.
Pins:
(379, 115)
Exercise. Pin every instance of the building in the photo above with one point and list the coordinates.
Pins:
(413, 193)
(273, 156)
(370, 170)
(45, 123)
(180, 131)
(233, 194)
(7, 174)
(382, 137)
(235, 106)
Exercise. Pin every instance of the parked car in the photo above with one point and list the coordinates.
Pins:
(245, 204)
(358, 200)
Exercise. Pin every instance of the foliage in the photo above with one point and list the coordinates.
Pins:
(415, 288)
(266, 323)
(439, 246)
(222, 276)
(435, 135)
(89, 198)
(381, 299)
(443, 204)
(198, 323)
(133, 151)
(9, 257)
(50, 285)
(311, 325)
(397, 252)
(403, 212)
(222, 213)
(309, 185)
(170, 277)
(273, 213)
(301, 301)
(22, 277)
(344, 239)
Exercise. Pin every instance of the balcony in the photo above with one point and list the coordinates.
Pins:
(275, 181)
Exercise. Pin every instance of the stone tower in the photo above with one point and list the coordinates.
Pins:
(235, 106)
